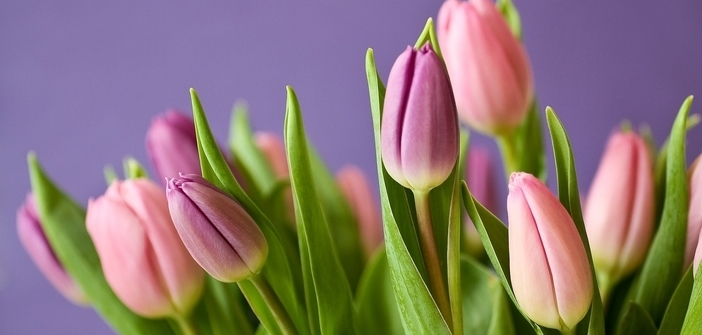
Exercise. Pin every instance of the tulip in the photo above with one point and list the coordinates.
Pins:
(694, 217)
(34, 240)
(698, 256)
(619, 212)
(489, 68)
(273, 148)
(172, 145)
(143, 259)
(217, 231)
(357, 191)
(549, 269)
(481, 183)
(419, 128)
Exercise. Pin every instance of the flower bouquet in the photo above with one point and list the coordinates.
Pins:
(259, 237)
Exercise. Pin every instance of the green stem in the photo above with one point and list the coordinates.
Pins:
(568, 331)
(279, 313)
(186, 325)
(605, 284)
(437, 286)
(508, 148)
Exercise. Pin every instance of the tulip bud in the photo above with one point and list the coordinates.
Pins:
(619, 212)
(548, 264)
(419, 128)
(480, 180)
(489, 68)
(273, 148)
(358, 193)
(172, 145)
(217, 231)
(694, 217)
(34, 240)
(143, 259)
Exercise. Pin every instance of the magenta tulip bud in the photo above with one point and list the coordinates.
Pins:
(34, 240)
(354, 185)
(694, 216)
(218, 232)
(143, 259)
(172, 145)
(549, 269)
(419, 128)
(489, 68)
(481, 182)
(619, 212)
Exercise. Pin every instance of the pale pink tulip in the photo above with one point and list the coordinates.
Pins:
(489, 68)
(694, 216)
(273, 148)
(36, 244)
(619, 212)
(549, 269)
(142, 256)
(354, 185)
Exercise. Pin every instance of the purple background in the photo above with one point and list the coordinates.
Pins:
(81, 80)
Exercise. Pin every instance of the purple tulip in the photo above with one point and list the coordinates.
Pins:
(172, 145)
(549, 269)
(34, 240)
(143, 259)
(419, 129)
(218, 232)
(489, 68)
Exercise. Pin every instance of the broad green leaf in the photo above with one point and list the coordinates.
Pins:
(277, 270)
(693, 318)
(377, 308)
(637, 321)
(569, 196)
(663, 267)
(418, 311)
(485, 305)
(529, 144)
(495, 238)
(332, 291)
(221, 309)
(428, 35)
(677, 307)
(63, 221)
(247, 153)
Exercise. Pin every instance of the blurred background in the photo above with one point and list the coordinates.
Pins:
(80, 82)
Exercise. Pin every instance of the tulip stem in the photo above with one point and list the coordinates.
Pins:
(508, 148)
(568, 331)
(437, 286)
(279, 313)
(186, 325)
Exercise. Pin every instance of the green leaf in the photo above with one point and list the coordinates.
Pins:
(377, 308)
(495, 238)
(693, 318)
(428, 35)
(485, 305)
(331, 289)
(569, 196)
(677, 307)
(529, 144)
(511, 15)
(277, 271)
(133, 169)
(663, 267)
(63, 221)
(247, 153)
(637, 321)
(418, 311)
(110, 174)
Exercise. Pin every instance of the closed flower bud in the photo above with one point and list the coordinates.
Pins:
(143, 259)
(694, 216)
(217, 231)
(419, 128)
(619, 212)
(172, 145)
(479, 175)
(359, 195)
(273, 148)
(489, 68)
(34, 240)
(548, 264)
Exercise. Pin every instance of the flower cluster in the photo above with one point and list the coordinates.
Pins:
(260, 237)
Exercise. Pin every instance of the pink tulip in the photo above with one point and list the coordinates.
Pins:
(273, 148)
(219, 234)
(489, 68)
(172, 145)
(36, 244)
(698, 256)
(619, 212)
(355, 187)
(694, 217)
(142, 256)
(549, 269)
(419, 127)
